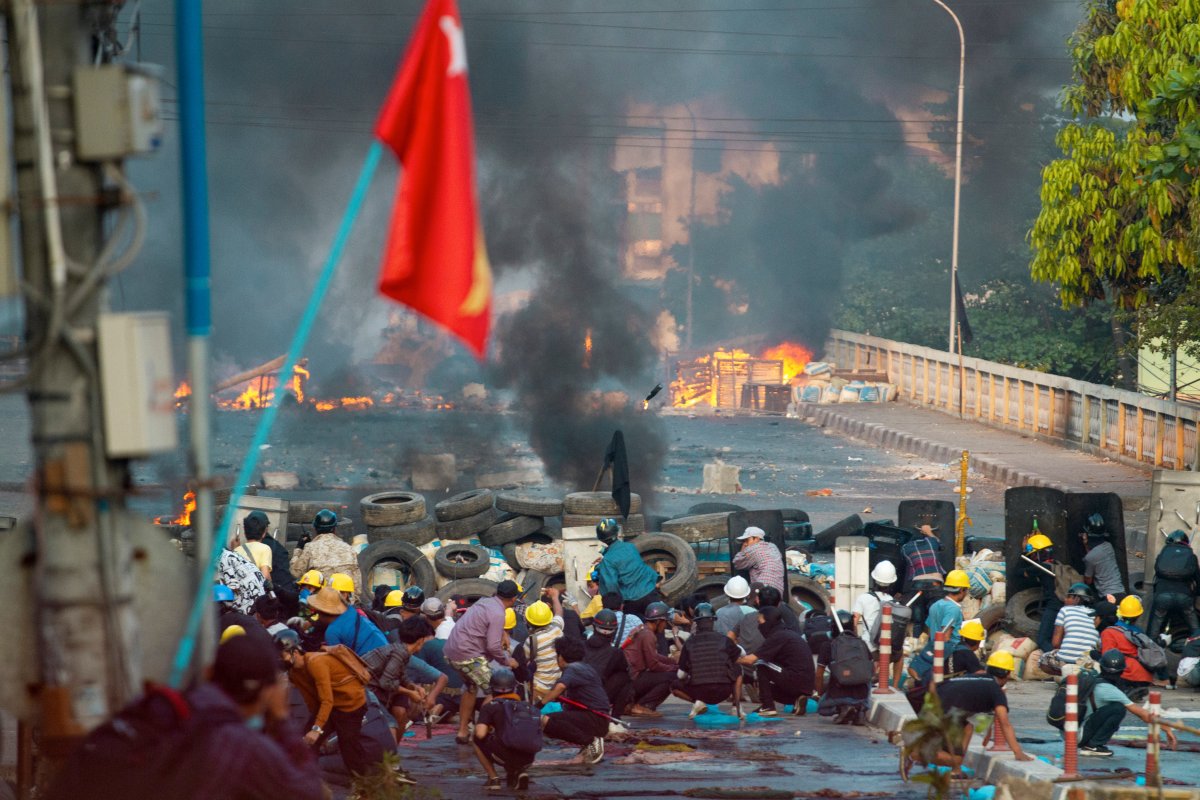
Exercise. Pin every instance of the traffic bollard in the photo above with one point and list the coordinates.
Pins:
(1071, 729)
(939, 657)
(885, 650)
(1152, 776)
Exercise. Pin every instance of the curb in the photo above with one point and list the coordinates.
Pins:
(893, 439)
(1096, 790)
(889, 712)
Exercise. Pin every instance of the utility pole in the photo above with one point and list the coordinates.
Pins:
(87, 654)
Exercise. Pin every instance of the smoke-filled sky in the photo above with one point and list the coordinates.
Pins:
(293, 87)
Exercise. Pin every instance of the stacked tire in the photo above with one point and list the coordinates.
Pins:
(699, 527)
(397, 525)
(302, 512)
(587, 509)
(463, 516)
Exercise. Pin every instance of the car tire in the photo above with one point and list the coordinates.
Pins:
(529, 505)
(467, 526)
(471, 588)
(598, 504)
(655, 547)
(464, 505)
(392, 508)
(417, 565)
(418, 533)
(457, 561)
(1022, 613)
(509, 529)
(699, 527)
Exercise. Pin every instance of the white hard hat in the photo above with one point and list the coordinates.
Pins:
(884, 573)
(737, 588)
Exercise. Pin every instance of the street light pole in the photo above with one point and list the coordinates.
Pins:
(691, 272)
(958, 143)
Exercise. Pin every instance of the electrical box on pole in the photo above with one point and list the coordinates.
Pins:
(137, 383)
(118, 111)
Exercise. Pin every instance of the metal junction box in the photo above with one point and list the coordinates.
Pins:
(137, 381)
(118, 111)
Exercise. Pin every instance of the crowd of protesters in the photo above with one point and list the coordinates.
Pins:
(515, 670)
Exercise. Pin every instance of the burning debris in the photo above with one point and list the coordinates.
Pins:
(737, 379)
(184, 520)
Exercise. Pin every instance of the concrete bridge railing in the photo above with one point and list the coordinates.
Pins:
(1119, 424)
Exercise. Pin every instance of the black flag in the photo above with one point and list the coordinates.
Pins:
(615, 457)
(960, 311)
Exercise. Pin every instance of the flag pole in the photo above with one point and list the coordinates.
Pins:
(201, 602)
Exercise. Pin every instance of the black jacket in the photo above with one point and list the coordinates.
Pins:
(599, 653)
(281, 566)
(710, 659)
(1177, 559)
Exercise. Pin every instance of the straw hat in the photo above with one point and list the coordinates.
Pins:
(327, 601)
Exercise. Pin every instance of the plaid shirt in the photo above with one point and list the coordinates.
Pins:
(765, 564)
(922, 558)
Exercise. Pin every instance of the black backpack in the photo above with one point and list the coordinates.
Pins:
(1174, 563)
(851, 661)
(817, 629)
(520, 728)
(901, 618)
(1056, 715)
(142, 753)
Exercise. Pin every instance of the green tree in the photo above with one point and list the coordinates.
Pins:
(1120, 209)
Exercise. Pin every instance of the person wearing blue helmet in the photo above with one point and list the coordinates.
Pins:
(622, 570)
(228, 615)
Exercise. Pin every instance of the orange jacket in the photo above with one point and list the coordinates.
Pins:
(325, 684)
(1113, 638)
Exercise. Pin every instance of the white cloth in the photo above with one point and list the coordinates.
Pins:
(869, 606)
(443, 629)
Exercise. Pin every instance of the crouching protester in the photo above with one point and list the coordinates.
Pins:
(1103, 708)
(508, 732)
(604, 656)
(1074, 633)
(584, 718)
(333, 684)
(708, 666)
(963, 697)
(783, 664)
(235, 740)
(847, 660)
(389, 666)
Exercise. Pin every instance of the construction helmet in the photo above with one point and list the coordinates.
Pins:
(846, 618)
(607, 529)
(957, 579)
(1002, 659)
(394, 599)
(287, 641)
(1177, 537)
(1112, 663)
(222, 593)
(1130, 608)
(1039, 541)
(510, 619)
(605, 621)
(659, 610)
(1080, 590)
(341, 582)
(311, 578)
(591, 577)
(414, 596)
(538, 614)
(737, 588)
(232, 632)
(972, 629)
(884, 573)
(1095, 526)
(704, 611)
(503, 681)
(325, 521)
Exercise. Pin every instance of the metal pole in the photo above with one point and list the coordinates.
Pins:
(958, 143)
(691, 272)
(1071, 729)
(189, 64)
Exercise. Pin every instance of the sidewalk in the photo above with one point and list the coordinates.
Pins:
(1008, 458)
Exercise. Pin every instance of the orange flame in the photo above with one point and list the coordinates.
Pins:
(183, 391)
(353, 403)
(587, 349)
(299, 377)
(794, 357)
(184, 519)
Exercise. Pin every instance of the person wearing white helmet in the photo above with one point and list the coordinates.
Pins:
(868, 608)
(729, 616)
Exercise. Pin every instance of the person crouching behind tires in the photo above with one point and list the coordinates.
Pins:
(622, 570)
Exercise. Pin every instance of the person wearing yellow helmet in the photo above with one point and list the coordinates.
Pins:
(1040, 550)
(545, 622)
(1126, 636)
(946, 614)
(979, 694)
(1075, 631)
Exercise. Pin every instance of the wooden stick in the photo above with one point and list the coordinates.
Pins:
(1049, 572)
(600, 477)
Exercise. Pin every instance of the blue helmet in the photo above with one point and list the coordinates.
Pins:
(222, 593)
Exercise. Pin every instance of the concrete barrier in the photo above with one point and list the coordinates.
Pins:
(995, 766)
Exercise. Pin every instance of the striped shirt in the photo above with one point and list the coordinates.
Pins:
(765, 564)
(1079, 632)
(921, 557)
(545, 660)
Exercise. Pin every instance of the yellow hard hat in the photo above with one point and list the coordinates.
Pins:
(232, 632)
(1130, 608)
(311, 578)
(957, 579)
(539, 614)
(1002, 659)
(1039, 541)
(394, 599)
(341, 582)
(972, 629)
(510, 619)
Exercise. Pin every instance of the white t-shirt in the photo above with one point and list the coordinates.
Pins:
(443, 629)
(869, 606)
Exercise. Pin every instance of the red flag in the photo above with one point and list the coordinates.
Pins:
(435, 261)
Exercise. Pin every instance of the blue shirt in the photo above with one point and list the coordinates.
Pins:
(355, 631)
(623, 571)
(420, 672)
(942, 613)
(432, 654)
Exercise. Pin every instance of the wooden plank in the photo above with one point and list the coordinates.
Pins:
(1050, 414)
(1037, 409)
(978, 394)
(1020, 405)
(1178, 443)
(991, 397)
(1086, 420)
(1120, 428)
(1159, 430)
(1141, 434)
(925, 382)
